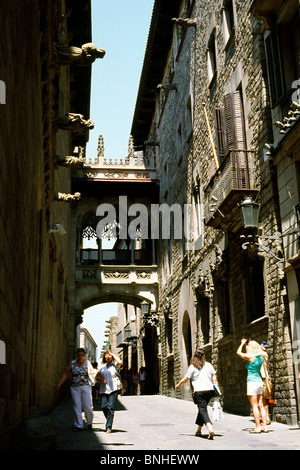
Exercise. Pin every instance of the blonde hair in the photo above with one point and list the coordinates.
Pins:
(254, 348)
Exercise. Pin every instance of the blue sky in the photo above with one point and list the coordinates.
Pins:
(120, 27)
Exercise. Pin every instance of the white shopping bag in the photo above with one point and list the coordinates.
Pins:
(217, 410)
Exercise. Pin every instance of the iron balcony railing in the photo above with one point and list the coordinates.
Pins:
(235, 173)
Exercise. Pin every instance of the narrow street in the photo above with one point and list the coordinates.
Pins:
(158, 423)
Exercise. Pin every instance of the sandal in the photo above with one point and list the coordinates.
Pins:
(253, 431)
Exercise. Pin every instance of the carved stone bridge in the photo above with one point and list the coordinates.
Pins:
(126, 272)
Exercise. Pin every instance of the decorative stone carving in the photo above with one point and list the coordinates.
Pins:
(115, 175)
(89, 274)
(79, 56)
(167, 309)
(100, 149)
(143, 274)
(116, 275)
(131, 147)
(74, 122)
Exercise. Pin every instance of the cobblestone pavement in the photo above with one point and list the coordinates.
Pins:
(158, 423)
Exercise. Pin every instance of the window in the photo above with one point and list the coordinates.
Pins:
(221, 146)
(274, 64)
(179, 141)
(188, 125)
(254, 290)
(227, 20)
(203, 319)
(197, 216)
(211, 58)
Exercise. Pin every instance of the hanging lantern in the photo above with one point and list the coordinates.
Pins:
(249, 211)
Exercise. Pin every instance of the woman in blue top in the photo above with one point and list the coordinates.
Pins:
(253, 356)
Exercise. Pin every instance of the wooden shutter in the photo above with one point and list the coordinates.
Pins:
(236, 140)
(234, 121)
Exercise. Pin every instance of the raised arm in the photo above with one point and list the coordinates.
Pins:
(241, 354)
(116, 360)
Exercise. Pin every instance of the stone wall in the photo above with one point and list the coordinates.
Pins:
(34, 264)
(240, 65)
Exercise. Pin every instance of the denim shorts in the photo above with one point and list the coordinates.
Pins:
(255, 388)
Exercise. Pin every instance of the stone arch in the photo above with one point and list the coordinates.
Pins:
(187, 338)
(88, 295)
(187, 330)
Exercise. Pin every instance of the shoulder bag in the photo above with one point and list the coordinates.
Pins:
(268, 387)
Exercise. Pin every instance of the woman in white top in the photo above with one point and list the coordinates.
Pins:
(203, 378)
(108, 375)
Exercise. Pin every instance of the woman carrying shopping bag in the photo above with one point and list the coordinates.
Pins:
(203, 378)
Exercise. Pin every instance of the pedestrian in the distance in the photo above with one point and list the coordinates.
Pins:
(254, 360)
(203, 378)
(264, 372)
(109, 386)
(142, 380)
(96, 386)
(81, 392)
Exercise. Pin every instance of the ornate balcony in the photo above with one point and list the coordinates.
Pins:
(234, 180)
(102, 274)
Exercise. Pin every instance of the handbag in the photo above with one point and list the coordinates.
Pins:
(119, 380)
(267, 384)
(119, 384)
(217, 410)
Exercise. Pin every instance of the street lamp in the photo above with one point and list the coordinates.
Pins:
(145, 307)
(148, 319)
(249, 211)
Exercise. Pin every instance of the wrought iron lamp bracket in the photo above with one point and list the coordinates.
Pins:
(264, 243)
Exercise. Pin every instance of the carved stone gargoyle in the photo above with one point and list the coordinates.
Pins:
(67, 197)
(68, 161)
(185, 21)
(82, 57)
(74, 122)
(167, 86)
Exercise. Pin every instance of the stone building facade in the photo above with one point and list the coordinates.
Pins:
(35, 205)
(205, 101)
(87, 342)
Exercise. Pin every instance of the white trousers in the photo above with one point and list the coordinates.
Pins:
(82, 402)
